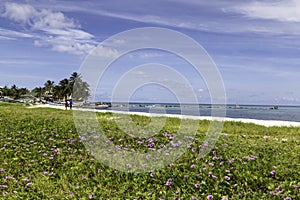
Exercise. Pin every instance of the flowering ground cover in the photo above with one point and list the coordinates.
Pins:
(42, 157)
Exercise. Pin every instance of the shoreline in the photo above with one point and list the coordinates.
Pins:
(267, 123)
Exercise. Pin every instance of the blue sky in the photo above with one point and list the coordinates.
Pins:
(255, 44)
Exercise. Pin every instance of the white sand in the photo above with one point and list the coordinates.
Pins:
(267, 123)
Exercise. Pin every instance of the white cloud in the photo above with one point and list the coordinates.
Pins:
(65, 44)
(5, 33)
(37, 43)
(71, 33)
(19, 12)
(149, 55)
(212, 16)
(284, 11)
(47, 19)
(61, 33)
(5, 38)
(118, 42)
(37, 19)
(104, 51)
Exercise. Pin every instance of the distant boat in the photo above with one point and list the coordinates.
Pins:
(274, 108)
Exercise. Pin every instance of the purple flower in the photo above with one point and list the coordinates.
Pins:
(197, 185)
(3, 186)
(279, 189)
(224, 198)
(92, 196)
(176, 198)
(227, 178)
(192, 166)
(227, 171)
(194, 198)
(287, 198)
(152, 174)
(193, 150)
(210, 197)
(273, 172)
(211, 164)
(5, 193)
(28, 184)
(272, 193)
(169, 181)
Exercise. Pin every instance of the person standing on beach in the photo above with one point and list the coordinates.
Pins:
(66, 104)
(71, 103)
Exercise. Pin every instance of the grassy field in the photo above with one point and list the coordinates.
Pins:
(42, 158)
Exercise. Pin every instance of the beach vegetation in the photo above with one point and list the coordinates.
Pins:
(43, 157)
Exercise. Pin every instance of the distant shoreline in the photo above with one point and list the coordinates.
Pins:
(267, 123)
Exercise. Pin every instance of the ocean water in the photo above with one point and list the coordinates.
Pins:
(261, 112)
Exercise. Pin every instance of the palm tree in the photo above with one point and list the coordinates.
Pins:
(73, 77)
(58, 92)
(6, 91)
(49, 86)
(80, 88)
(65, 87)
(15, 92)
(73, 87)
(39, 92)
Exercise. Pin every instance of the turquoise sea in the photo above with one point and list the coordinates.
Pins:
(261, 112)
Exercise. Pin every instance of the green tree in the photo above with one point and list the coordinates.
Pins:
(39, 92)
(80, 89)
(65, 87)
(73, 87)
(49, 85)
(15, 92)
(58, 92)
(6, 91)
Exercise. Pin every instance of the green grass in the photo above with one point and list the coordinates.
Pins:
(42, 158)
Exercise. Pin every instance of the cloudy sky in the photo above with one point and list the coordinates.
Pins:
(254, 44)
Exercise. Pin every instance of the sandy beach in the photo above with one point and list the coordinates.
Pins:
(266, 123)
